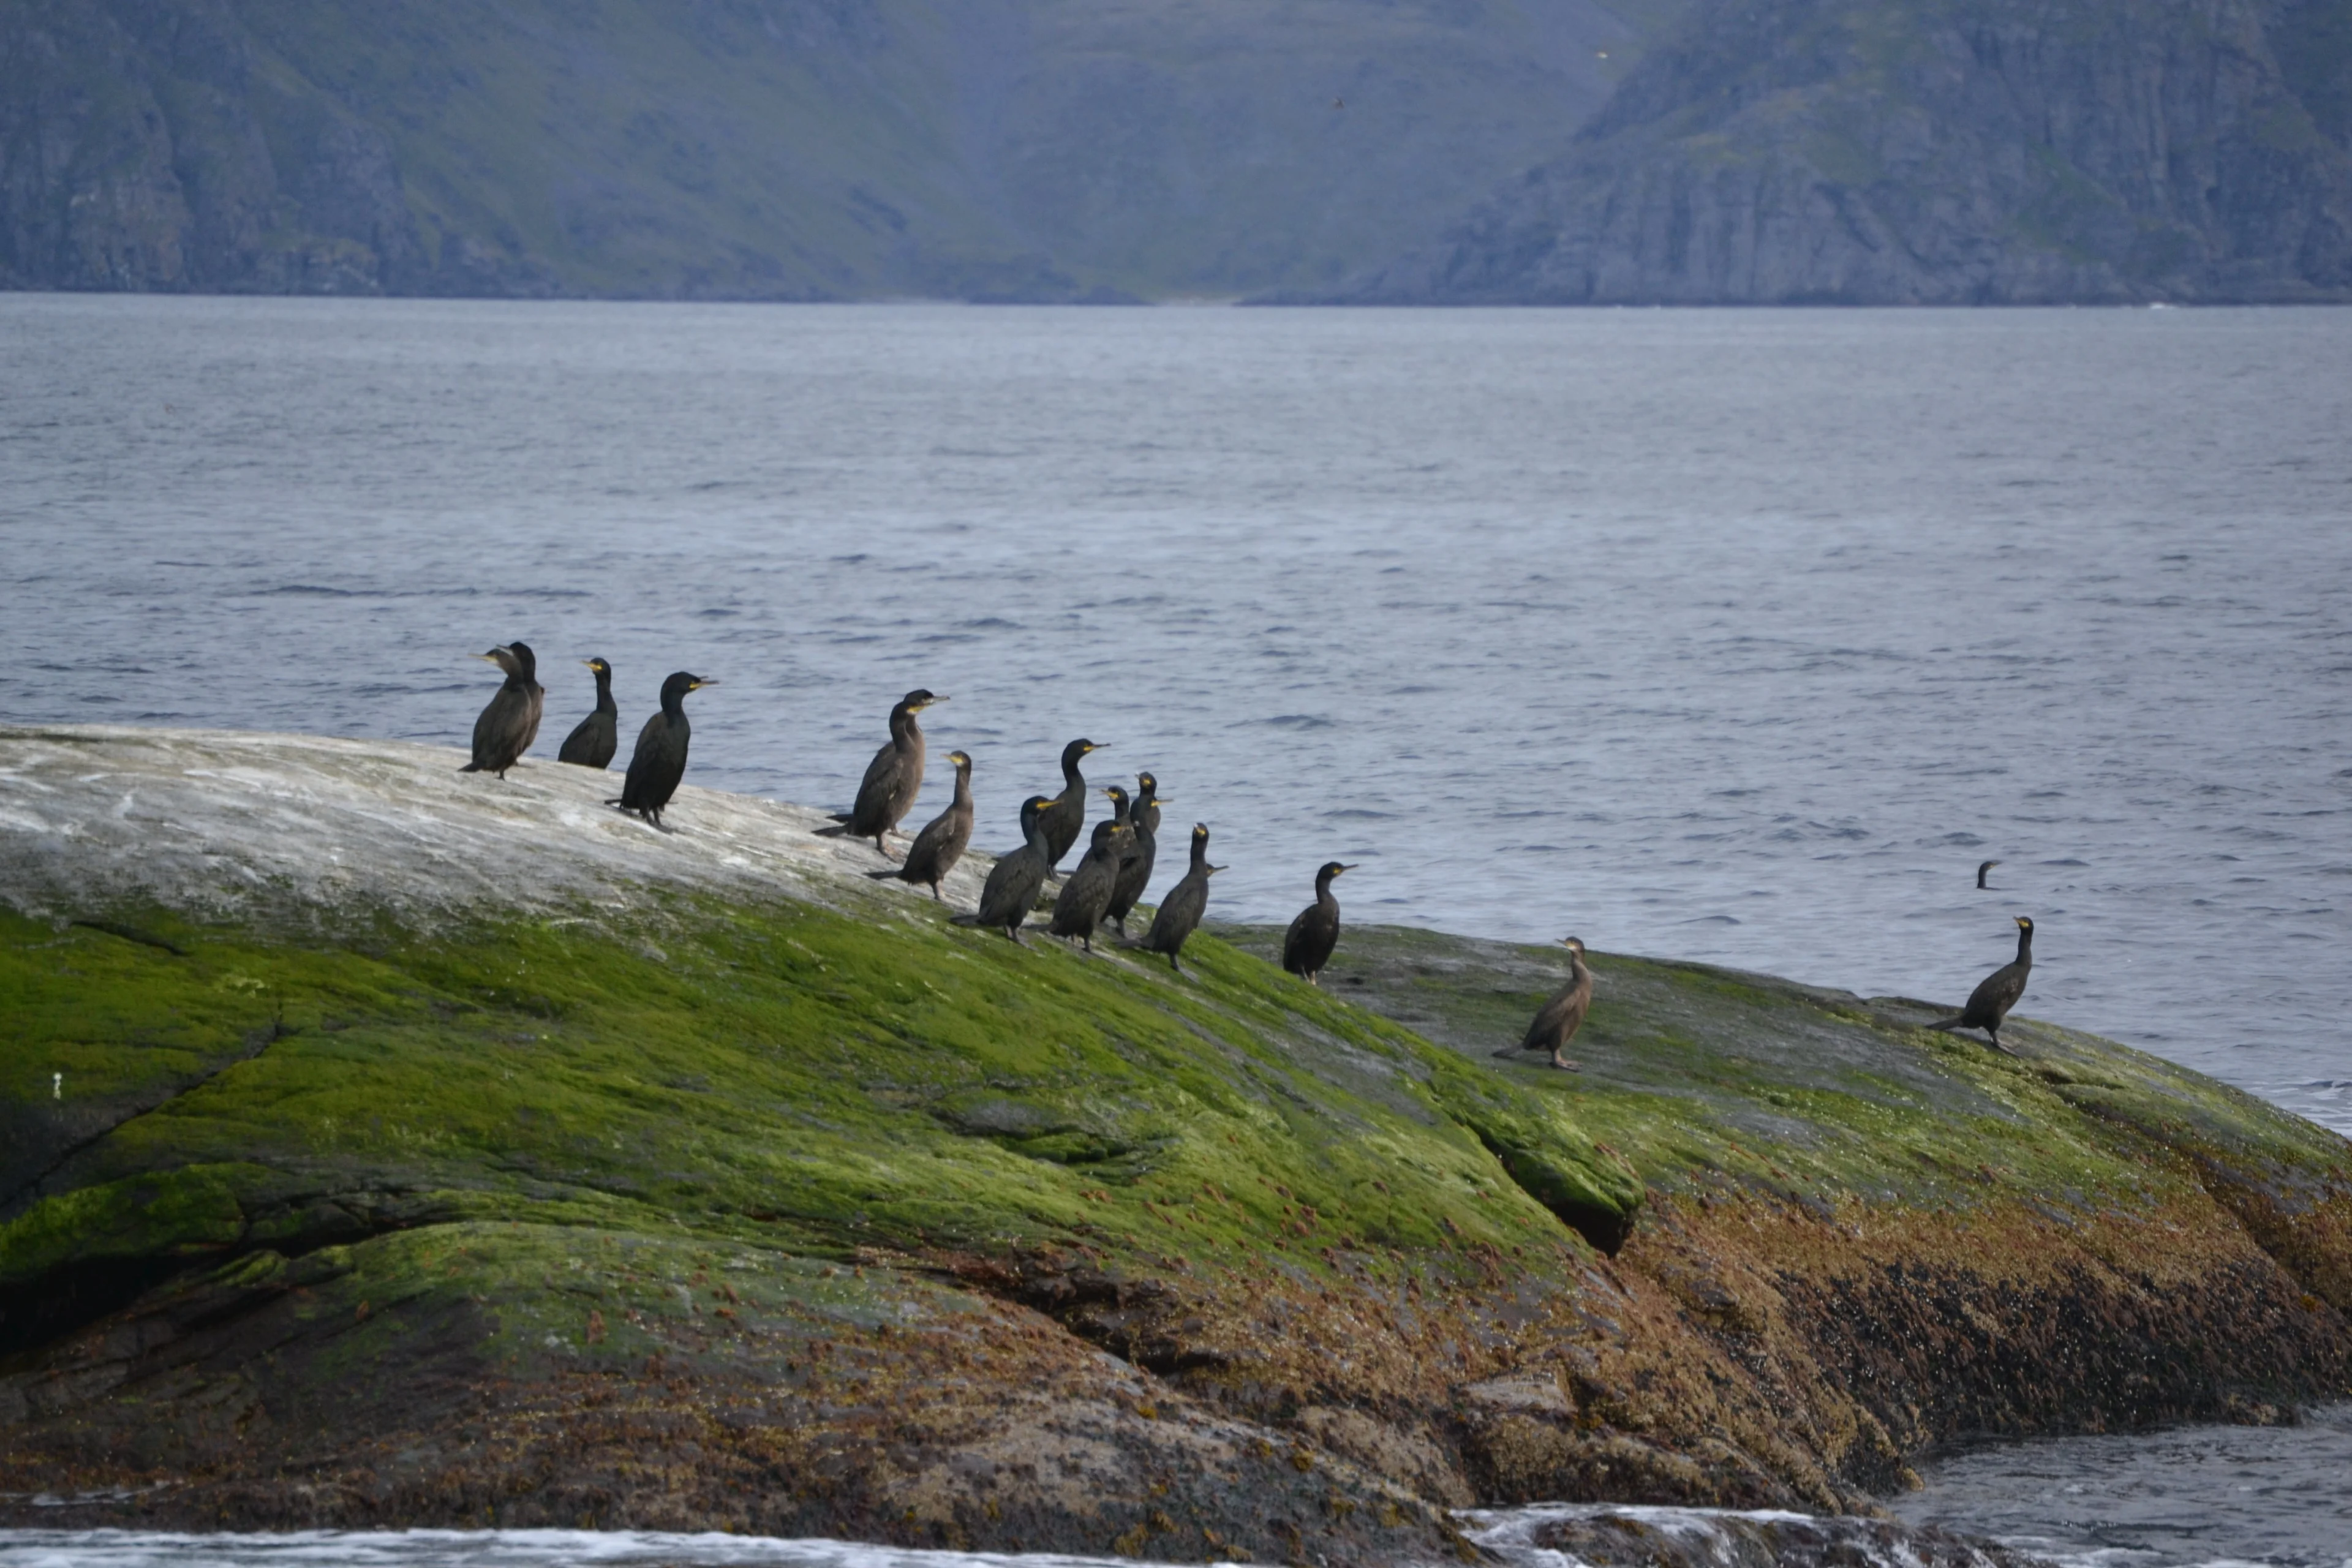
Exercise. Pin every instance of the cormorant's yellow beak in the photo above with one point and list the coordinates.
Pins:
(700, 684)
(488, 657)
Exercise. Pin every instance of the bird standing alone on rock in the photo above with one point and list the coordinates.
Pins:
(1066, 812)
(1989, 1002)
(1558, 1020)
(893, 779)
(1180, 912)
(1011, 891)
(510, 723)
(1306, 945)
(943, 839)
(594, 738)
(659, 761)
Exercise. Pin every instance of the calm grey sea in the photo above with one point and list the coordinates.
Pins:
(1740, 636)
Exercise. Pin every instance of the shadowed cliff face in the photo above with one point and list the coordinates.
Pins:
(1904, 151)
(391, 1146)
(1029, 150)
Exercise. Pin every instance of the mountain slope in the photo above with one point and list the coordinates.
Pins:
(1886, 152)
(767, 149)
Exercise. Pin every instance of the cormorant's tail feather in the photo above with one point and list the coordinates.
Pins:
(1949, 1024)
(961, 920)
(889, 876)
(840, 828)
(471, 768)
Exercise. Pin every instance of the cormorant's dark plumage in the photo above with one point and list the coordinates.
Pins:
(510, 723)
(1180, 912)
(1989, 1002)
(659, 761)
(1306, 945)
(1080, 907)
(1135, 871)
(943, 839)
(1558, 1020)
(1011, 891)
(1067, 812)
(1983, 869)
(595, 738)
(893, 779)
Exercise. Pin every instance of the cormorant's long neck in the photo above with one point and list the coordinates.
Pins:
(1071, 778)
(1200, 853)
(605, 692)
(2025, 947)
(963, 788)
(1576, 974)
(1037, 828)
(1323, 891)
(674, 706)
(904, 732)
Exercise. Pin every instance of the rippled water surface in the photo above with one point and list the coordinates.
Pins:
(1734, 635)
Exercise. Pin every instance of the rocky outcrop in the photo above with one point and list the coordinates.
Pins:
(385, 1146)
(1937, 151)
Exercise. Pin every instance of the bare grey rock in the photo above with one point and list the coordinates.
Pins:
(217, 824)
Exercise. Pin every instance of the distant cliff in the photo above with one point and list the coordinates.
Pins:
(1938, 152)
(769, 149)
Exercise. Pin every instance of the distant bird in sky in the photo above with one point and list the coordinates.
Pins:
(1339, 103)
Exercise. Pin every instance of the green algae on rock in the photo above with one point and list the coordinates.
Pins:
(704, 1183)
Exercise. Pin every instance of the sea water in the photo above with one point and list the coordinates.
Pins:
(1734, 635)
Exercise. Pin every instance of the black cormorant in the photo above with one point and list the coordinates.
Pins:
(1558, 1020)
(1135, 871)
(893, 779)
(1067, 812)
(1011, 891)
(595, 738)
(659, 762)
(1080, 907)
(510, 723)
(1981, 869)
(943, 839)
(1989, 1002)
(1180, 912)
(1306, 945)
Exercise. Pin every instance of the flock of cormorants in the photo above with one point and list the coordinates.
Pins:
(1103, 888)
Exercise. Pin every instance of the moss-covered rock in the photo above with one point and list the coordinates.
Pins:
(700, 1182)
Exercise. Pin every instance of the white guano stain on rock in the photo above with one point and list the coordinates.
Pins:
(220, 824)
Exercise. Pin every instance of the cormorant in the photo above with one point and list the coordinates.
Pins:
(1135, 871)
(943, 839)
(1981, 869)
(510, 723)
(1079, 908)
(659, 761)
(1180, 912)
(1306, 945)
(1067, 812)
(1011, 892)
(595, 738)
(1989, 1002)
(1558, 1020)
(893, 779)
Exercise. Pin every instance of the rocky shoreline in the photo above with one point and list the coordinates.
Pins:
(430, 1150)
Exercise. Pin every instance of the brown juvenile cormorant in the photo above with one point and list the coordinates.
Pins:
(510, 723)
(1981, 869)
(1135, 871)
(1989, 1002)
(595, 738)
(1306, 945)
(1011, 891)
(1558, 1020)
(659, 761)
(1067, 812)
(893, 779)
(1080, 907)
(1180, 912)
(943, 839)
